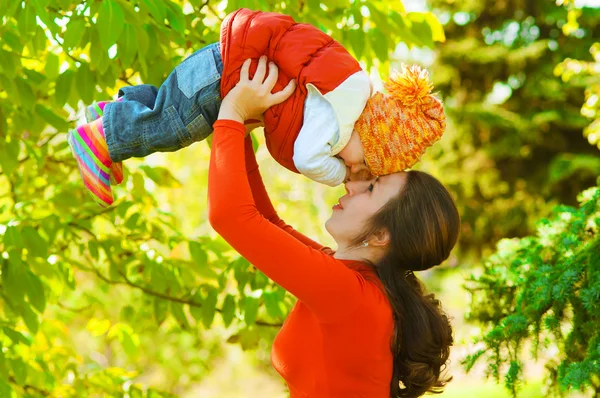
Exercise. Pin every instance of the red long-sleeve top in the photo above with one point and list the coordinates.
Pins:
(336, 340)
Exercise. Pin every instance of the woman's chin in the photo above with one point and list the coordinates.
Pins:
(329, 224)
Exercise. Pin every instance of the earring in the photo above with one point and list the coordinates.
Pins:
(365, 243)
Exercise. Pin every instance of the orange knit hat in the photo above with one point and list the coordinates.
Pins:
(396, 129)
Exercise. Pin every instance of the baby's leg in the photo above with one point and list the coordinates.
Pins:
(179, 113)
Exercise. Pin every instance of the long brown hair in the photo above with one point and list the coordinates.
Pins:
(423, 225)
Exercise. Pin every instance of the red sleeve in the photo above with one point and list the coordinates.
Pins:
(262, 200)
(322, 282)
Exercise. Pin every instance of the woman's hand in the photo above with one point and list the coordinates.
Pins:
(251, 97)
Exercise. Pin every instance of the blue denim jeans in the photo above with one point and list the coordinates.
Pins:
(179, 113)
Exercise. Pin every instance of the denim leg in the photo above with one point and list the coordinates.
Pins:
(144, 93)
(179, 113)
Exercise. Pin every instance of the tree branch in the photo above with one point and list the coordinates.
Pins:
(126, 281)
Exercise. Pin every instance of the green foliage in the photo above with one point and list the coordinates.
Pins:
(516, 142)
(544, 288)
(86, 293)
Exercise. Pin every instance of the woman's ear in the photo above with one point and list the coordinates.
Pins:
(381, 238)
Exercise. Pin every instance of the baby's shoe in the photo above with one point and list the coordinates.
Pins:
(93, 112)
(89, 147)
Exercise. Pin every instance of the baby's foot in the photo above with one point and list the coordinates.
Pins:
(91, 152)
(96, 110)
(93, 112)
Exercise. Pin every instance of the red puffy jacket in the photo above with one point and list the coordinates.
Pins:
(300, 51)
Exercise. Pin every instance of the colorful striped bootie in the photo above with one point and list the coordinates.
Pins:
(91, 152)
(93, 112)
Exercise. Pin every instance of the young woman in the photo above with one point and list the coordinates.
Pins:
(362, 326)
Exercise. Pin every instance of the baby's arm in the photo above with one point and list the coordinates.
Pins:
(312, 149)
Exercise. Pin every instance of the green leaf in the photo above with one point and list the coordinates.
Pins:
(110, 22)
(251, 305)
(175, 17)
(26, 20)
(19, 369)
(259, 280)
(126, 336)
(208, 307)
(35, 77)
(40, 41)
(16, 337)
(13, 41)
(421, 29)
(9, 156)
(13, 282)
(8, 64)
(143, 41)
(5, 389)
(273, 304)
(197, 252)
(179, 314)
(35, 244)
(437, 30)
(35, 291)
(200, 261)
(72, 36)
(228, 310)
(127, 313)
(11, 8)
(51, 118)
(160, 310)
(25, 92)
(357, 40)
(98, 54)
(30, 318)
(157, 9)
(86, 83)
(132, 221)
(379, 44)
(63, 87)
(240, 272)
(128, 45)
(161, 176)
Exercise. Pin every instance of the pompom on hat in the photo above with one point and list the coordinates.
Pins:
(395, 129)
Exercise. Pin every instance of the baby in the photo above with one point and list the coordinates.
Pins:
(329, 127)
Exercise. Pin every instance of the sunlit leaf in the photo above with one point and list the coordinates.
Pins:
(111, 21)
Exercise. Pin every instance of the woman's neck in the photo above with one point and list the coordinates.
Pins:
(360, 253)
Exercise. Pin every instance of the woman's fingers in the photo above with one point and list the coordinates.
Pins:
(261, 70)
(284, 94)
(271, 77)
(245, 71)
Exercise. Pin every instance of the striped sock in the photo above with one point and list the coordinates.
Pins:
(116, 173)
(91, 152)
(93, 112)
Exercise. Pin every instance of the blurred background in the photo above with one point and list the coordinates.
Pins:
(143, 299)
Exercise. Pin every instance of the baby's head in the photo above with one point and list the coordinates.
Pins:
(395, 129)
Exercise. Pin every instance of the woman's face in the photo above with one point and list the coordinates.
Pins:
(362, 200)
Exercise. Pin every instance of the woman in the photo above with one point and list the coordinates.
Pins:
(362, 326)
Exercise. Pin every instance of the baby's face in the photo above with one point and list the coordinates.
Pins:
(354, 158)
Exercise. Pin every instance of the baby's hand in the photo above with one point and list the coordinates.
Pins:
(250, 98)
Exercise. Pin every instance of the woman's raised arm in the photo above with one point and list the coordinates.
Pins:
(323, 283)
(262, 200)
